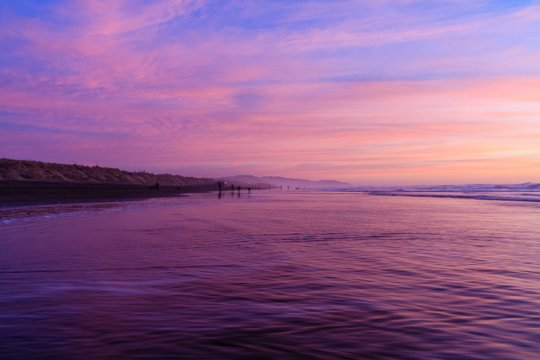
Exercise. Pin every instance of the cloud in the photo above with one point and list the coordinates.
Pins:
(298, 87)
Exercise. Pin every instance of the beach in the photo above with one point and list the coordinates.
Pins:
(270, 180)
(25, 182)
(20, 192)
(272, 275)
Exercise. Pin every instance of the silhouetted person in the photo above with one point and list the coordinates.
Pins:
(249, 190)
(155, 186)
(219, 186)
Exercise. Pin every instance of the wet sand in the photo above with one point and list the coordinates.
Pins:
(272, 275)
(19, 193)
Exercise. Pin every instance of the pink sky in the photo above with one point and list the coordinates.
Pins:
(396, 92)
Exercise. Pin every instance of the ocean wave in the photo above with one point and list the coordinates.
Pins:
(456, 195)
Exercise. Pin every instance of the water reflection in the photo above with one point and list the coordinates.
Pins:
(282, 276)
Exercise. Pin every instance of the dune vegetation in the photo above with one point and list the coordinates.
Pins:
(42, 171)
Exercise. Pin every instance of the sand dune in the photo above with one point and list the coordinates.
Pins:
(24, 182)
(42, 171)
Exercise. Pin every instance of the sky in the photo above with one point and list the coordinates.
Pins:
(385, 92)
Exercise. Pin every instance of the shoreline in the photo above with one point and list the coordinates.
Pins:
(15, 193)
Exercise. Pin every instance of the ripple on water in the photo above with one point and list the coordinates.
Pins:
(304, 276)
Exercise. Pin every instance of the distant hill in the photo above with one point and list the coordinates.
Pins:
(293, 183)
(247, 180)
(42, 171)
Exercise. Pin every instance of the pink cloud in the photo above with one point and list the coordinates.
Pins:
(276, 101)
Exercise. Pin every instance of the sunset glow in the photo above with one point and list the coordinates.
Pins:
(369, 92)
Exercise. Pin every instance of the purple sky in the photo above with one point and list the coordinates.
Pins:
(370, 92)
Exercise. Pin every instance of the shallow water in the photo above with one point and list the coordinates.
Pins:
(272, 275)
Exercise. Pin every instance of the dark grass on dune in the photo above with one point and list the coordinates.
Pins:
(19, 193)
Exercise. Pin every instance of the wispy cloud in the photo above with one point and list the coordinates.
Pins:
(345, 89)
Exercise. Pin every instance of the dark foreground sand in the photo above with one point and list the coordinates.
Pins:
(19, 193)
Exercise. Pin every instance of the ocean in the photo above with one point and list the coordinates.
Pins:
(274, 275)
